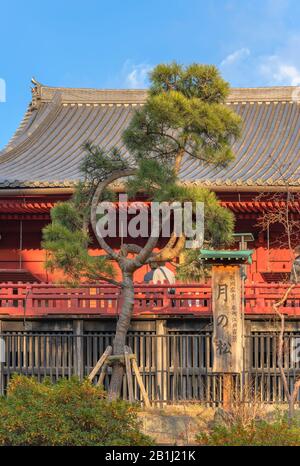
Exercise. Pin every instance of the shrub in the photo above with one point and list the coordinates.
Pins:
(245, 409)
(259, 433)
(69, 412)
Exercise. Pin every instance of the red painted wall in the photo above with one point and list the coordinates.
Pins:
(31, 256)
(266, 258)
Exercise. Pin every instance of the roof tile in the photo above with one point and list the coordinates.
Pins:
(47, 148)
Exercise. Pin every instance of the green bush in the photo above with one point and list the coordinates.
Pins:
(67, 413)
(259, 433)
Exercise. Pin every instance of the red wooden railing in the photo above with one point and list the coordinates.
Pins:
(105, 300)
(259, 298)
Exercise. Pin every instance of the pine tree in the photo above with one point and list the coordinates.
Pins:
(184, 116)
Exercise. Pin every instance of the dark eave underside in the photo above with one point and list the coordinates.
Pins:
(47, 148)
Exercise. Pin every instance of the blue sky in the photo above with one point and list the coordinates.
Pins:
(114, 43)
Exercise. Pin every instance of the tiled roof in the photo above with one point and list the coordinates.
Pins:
(47, 148)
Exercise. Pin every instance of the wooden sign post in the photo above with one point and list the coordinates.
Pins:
(227, 327)
(227, 319)
(227, 311)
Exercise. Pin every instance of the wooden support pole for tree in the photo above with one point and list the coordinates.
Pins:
(100, 363)
(140, 382)
(102, 374)
(129, 360)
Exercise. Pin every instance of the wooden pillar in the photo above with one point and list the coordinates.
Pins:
(2, 348)
(161, 359)
(78, 362)
(247, 358)
(227, 327)
(228, 390)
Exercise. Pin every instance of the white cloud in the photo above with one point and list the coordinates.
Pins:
(136, 76)
(236, 56)
(279, 67)
(277, 71)
(2, 90)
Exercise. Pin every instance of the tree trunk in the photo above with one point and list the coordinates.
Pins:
(122, 328)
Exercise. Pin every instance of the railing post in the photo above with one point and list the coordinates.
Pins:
(161, 359)
(2, 348)
(78, 348)
(28, 302)
(166, 297)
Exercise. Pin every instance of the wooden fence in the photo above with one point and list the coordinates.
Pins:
(176, 367)
(35, 300)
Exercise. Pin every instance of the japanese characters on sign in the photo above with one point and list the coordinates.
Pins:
(227, 317)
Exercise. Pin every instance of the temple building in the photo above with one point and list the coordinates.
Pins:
(50, 330)
(40, 166)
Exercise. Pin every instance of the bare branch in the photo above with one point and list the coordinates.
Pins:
(96, 197)
(130, 248)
